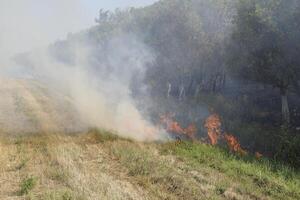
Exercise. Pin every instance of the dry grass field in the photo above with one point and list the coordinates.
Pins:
(99, 165)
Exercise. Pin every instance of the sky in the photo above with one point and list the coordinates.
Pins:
(28, 24)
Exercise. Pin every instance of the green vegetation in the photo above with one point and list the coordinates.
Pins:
(58, 195)
(226, 173)
(27, 185)
(82, 167)
(259, 176)
(155, 174)
(246, 123)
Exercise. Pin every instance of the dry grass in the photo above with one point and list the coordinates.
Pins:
(97, 165)
(64, 167)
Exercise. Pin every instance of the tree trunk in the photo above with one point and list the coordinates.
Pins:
(214, 83)
(181, 92)
(224, 80)
(169, 89)
(285, 107)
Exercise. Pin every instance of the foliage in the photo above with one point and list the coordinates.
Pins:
(288, 148)
(265, 46)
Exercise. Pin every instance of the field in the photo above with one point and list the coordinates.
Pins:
(100, 165)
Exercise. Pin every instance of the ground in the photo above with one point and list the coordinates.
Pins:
(28, 106)
(39, 160)
(99, 165)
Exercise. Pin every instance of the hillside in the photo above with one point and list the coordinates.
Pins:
(98, 165)
(204, 55)
(27, 106)
(194, 99)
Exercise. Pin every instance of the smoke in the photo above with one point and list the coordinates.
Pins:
(101, 90)
(98, 89)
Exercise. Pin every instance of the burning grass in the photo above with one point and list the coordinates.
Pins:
(213, 126)
(215, 134)
(175, 128)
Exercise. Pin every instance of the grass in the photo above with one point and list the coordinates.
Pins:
(100, 136)
(57, 173)
(260, 176)
(58, 195)
(27, 185)
(22, 164)
(100, 165)
(153, 172)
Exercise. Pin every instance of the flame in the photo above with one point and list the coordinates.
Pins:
(234, 144)
(191, 131)
(173, 126)
(213, 126)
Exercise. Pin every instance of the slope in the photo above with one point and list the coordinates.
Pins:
(98, 165)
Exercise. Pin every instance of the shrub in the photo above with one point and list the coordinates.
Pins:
(288, 148)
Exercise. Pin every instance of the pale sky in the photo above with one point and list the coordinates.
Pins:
(27, 24)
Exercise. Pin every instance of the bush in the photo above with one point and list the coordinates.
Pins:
(288, 148)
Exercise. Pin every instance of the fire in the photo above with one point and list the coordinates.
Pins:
(191, 131)
(234, 144)
(213, 125)
(173, 126)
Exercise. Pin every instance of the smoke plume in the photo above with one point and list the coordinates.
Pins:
(98, 89)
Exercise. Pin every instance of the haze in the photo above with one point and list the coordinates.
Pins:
(32, 23)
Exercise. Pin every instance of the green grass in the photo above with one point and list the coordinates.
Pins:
(260, 176)
(27, 185)
(227, 173)
(154, 173)
(59, 195)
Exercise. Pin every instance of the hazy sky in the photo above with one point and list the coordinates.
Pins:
(27, 24)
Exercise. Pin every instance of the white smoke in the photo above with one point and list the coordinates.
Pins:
(100, 92)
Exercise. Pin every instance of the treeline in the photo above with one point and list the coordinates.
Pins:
(240, 57)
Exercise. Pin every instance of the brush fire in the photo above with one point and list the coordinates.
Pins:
(174, 127)
(213, 126)
(234, 144)
(215, 134)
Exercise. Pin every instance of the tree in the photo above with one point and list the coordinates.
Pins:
(265, 45)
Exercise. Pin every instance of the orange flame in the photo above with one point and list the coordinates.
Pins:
(173, 126)
(213, 126)
(234, 144)
(191, 131)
